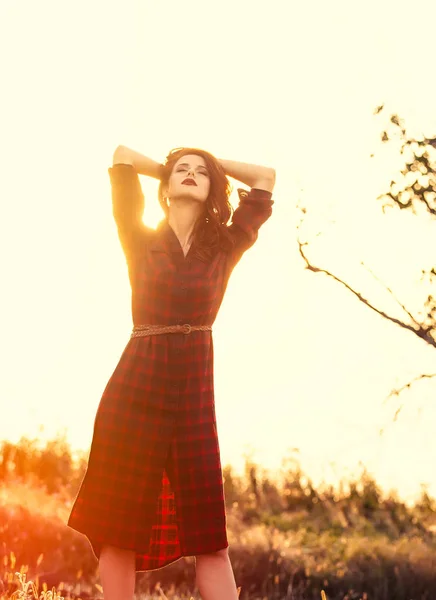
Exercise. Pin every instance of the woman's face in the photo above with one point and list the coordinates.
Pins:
(189, 179)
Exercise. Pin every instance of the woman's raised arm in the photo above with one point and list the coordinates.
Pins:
(142, 164)
(128, 200)
(255, 176)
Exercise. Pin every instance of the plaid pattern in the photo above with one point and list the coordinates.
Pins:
(154, 481)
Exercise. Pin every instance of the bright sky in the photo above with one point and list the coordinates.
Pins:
(299, 362)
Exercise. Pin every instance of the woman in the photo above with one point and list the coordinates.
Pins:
(153, 489)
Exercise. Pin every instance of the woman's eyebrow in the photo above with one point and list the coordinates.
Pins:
(188, 165)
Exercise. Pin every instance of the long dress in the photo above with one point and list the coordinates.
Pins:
(154, 481)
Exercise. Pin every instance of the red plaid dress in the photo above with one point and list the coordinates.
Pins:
(154, 482)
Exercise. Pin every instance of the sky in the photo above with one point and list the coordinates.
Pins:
(301, 367)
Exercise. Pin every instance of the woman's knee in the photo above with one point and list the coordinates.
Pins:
(222, 554)
(113, 552)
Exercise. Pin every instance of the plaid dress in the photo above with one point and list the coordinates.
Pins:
(154, 482)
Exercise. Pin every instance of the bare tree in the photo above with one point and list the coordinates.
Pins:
(414, 190)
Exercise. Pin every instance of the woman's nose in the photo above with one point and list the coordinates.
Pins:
(191, 172)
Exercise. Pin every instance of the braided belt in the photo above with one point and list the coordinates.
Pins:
(144, 330)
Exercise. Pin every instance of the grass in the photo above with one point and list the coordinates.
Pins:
(288, 540)
(29, 591)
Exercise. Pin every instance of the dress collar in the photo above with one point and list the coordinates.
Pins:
(166, 240)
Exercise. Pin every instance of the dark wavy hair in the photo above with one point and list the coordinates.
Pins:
(210, 229)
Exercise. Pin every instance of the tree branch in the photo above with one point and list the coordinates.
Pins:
(388, 289)
(419, 330)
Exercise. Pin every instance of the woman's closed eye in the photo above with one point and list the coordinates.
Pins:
(181, 169)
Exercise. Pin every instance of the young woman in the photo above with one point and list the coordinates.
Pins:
(153, 489)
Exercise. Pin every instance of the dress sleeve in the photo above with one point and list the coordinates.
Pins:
(128, 209)
(254, 209)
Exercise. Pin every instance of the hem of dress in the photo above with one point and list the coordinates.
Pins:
(97, 545)
(186, 554)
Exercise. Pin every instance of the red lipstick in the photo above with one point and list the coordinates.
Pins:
(188, 181)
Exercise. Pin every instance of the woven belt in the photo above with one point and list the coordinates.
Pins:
(144, 330)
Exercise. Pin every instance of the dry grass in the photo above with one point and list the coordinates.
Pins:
(288, 541)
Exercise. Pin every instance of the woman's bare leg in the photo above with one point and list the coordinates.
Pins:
(214, 576)
(117, 573)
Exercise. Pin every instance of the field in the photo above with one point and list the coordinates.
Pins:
(288, 540)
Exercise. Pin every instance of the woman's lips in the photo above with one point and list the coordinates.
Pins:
(188, 182)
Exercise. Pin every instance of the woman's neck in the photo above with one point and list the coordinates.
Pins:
(182, 218)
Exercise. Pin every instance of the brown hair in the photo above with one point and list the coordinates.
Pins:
(210, 231)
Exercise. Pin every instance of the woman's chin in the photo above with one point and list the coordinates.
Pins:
(188, 197)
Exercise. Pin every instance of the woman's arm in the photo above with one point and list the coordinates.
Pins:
(142, 164)
(255, 176)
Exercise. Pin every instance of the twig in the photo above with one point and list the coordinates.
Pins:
(398, 391)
